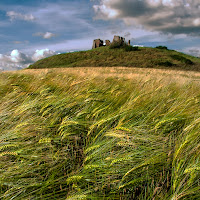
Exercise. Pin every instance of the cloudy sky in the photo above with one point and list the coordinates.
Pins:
(34, 29)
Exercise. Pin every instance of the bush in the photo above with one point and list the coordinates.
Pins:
(182, 59)
(130, 48)
(162, 47)
(125, 46)
(115, 45)
(166, 64)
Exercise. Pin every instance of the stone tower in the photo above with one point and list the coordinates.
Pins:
(97, 43)
(119, 39)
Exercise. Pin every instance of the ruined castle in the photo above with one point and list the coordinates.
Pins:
(117, 39)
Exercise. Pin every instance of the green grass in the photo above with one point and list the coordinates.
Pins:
(103, 57)
(66, 136)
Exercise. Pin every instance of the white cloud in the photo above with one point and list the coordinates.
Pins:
(43, 53)
(18, 60)
(18, 57)
(15, 57)
(105, 11)
(15, 60)
(196, 22)
(46, 35)
(15, 15)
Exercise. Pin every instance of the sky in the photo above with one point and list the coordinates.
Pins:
(34, 29)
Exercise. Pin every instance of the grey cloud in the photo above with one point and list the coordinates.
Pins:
(15, 15)
(174, 16)
(15, 57)
(18, 60)
(20, 42)
(194, 51)
(127, 34)
(17, 42)
(47, 35)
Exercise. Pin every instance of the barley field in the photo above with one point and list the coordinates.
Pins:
(100, 133)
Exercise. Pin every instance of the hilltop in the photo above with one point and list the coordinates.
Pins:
(142, 57)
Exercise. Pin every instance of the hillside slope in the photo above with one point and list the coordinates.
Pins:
(104, 57)
(71, 134)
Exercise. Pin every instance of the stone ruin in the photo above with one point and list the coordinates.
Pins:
(107, 42)
(99, 43)
(119, 40)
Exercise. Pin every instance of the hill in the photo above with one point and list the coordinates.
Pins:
(72, 134)
(104, 56)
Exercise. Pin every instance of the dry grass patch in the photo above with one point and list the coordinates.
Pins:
(169, 76)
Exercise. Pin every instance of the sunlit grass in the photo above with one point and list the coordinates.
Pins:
(103, 133)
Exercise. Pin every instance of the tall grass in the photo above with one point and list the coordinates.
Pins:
(80, 136)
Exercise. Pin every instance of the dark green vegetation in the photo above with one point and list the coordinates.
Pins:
(131, 48)
(64, 136)
(162, 47)
(125, 47)
(127, 57)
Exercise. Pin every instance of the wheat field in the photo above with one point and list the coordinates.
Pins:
(100, 133)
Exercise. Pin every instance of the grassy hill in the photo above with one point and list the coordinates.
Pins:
(103, 57)
(73, 134)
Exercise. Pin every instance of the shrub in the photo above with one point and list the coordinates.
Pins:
(182, 59)
(162, 47)
(125, 46)
(115, 45)
(130, 48)
(166, 64)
